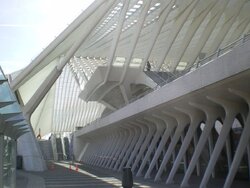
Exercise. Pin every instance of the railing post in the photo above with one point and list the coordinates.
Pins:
(218, 52)
(244, 38)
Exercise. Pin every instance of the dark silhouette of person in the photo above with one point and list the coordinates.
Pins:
(148, 66)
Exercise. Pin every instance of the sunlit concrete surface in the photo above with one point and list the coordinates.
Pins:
(60, 175)
(63, 174)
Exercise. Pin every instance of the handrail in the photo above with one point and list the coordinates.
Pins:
(188, 69)
(204, 61)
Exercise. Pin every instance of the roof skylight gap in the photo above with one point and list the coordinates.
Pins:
(106, 23)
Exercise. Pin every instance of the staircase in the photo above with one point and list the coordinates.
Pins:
(59, 149)
(46, 149)
(160, 78)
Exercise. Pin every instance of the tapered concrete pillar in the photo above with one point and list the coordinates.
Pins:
(111, 148)
(243, 143)
(170, 125)
(198, 165)
(106, 148)
(160, 126)
(196, 117)
(144, 132)
(229, 151)
(232, 109)
(211, 148)
(147, 140)
(182, 121)
(119, 149)
(95, 149)
(173, 153)
(212, 113)
(132, 145)
(185, 155)
(97, 153)
(89, 153)
(102, 150)
(118, 143)
(102, 144)
(125, 148)
(114, 149)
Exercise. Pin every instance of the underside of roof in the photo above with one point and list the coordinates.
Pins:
(114, 49)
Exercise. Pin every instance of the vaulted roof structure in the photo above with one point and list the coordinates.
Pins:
(119, 50)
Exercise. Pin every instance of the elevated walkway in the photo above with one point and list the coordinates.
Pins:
(166, 131)
(227, 71)
(159, 78)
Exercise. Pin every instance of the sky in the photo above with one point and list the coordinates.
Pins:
(28, 26)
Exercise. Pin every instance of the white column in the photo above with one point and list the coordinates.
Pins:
(198, 165)
(152, 129)
(243, 143)
(212, 113)
(184, 156)
(160, 126)
(104, 144)
(144, 132)
(211, 148)
(118, 142)
(107, 148)
(119, 149)
(231, 110)
(88, 153)
(182, 121)
(95, 153)
(125, 148)
(92, 156)
(99, 152)
(229, 151)
(170, 125)
(132, 145)
(110, 149)
(196, 117)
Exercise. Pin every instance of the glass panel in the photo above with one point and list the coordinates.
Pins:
(13, 108)
(5, 93)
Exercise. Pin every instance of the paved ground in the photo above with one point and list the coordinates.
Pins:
(60, 175)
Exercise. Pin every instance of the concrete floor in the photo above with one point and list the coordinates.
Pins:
(60, 175)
